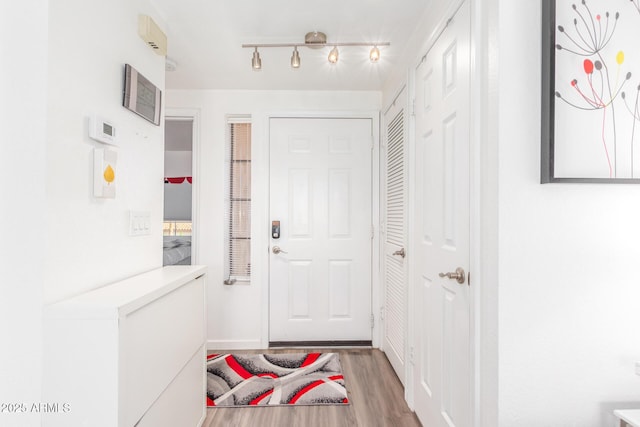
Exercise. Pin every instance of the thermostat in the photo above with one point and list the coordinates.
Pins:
(102, 130)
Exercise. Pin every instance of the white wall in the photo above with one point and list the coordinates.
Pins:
(87, 238)
(178, 201)
(236, 313)
(569, 291)
(62, 61)
(178, 163)
(177, 197)
(23, 148)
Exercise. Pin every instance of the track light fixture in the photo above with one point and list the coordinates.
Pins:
(314, 40)
(374, 54)
(295, 58)
(256, 62)
(333, 55)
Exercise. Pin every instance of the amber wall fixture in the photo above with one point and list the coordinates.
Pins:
(313, 40)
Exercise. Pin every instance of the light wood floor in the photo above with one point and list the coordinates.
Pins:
(375, 393)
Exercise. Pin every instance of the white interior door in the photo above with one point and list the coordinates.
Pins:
(394, 234)
(320, 263)
(441, 217)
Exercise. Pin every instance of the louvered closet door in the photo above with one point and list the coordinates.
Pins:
(394, 228)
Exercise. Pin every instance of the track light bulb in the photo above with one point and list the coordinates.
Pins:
(333, 55)
(256, 62)
(374, 55)
(295, 58)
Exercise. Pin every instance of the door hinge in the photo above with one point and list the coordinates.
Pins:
(411, 356)
(382, 313)
(373, 320)
(412, 107)
(373, 232)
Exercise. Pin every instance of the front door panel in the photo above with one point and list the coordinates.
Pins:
(320, 192)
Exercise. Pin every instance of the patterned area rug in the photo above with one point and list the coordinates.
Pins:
(275, 379)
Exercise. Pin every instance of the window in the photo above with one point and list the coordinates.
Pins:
(176, 228)
(239, 197)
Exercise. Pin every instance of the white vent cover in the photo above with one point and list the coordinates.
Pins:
(152, 34)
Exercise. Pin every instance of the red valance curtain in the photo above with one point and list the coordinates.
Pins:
(178, 180)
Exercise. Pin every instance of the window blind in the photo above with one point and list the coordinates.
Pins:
(239, 218)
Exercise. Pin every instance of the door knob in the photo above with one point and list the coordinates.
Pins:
(276, 250)
(400, 252)
(458, 275)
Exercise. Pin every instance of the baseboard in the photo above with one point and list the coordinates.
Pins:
(234, 345)
(217, 345)
(347, 343)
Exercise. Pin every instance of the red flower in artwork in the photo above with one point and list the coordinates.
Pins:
(588, 66)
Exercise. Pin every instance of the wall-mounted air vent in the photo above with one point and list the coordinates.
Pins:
(152, 34)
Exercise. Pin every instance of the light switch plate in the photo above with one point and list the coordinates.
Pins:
(139, 223)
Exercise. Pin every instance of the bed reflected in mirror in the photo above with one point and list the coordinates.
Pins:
(176, 247)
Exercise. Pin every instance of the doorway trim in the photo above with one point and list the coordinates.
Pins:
(484, 213)
(264, 221)
(185, 114)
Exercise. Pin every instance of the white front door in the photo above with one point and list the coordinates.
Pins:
(441, 217)
(320, 261)
(394, 222)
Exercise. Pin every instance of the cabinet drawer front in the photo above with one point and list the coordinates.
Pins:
(183, 403)
(159, 339)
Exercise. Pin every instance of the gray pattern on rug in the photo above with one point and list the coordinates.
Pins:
(235, 380)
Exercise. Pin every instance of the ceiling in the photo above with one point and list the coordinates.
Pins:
(205, 38)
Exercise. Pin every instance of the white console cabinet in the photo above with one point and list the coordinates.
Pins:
(129, 354)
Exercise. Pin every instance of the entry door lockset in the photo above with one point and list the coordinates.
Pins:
(275, 229)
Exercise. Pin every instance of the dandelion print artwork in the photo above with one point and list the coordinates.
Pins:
(591, 94)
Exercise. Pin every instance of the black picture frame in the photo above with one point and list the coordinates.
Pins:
(550, 96)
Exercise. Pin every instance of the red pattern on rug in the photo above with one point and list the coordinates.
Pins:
(276, 379)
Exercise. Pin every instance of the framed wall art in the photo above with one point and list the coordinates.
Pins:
(104, 173)
(590, 91)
